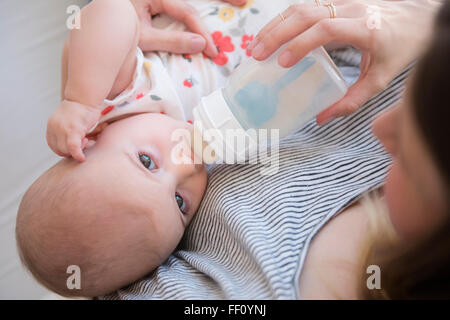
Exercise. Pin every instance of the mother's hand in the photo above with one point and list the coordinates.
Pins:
(390, 35)
(236, 2)
(153, 39)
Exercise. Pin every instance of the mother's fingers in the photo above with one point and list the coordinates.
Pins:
(183, 12)
(173, 41)
(350, 31)
(361, 91)
(285, 27)
(298, 19)
(305, 8)
(373, 78)
(236, 2)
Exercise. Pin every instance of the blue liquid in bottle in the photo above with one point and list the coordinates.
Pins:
(257, 102)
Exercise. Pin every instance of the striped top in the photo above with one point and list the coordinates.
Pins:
(250, 237)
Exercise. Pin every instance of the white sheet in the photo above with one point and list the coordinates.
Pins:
(32, 35)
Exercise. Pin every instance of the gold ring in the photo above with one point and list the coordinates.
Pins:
(332, 9)
(317, 3)
(282, 17)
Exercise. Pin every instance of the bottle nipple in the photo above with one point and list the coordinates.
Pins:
(201, 149)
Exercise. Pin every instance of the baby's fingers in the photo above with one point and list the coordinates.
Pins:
(75, 147)
(54, 146)
(84, 143)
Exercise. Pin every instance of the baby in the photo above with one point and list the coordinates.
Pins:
(118, 208)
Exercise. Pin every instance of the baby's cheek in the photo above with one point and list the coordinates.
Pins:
(168, 230)
(197, 189)
(203, 177)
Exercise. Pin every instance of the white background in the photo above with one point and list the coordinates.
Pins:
(32, 35)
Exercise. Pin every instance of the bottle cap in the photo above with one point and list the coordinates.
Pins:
(215, 122)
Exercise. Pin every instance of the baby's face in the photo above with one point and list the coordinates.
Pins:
(136, 153)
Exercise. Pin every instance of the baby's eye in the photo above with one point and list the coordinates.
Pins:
(180, 202)
(147, 161)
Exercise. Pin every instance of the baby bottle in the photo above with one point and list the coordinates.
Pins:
(264, 95)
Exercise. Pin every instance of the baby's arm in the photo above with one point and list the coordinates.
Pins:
(98, 61)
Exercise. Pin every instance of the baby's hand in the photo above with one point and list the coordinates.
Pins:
(68, 126)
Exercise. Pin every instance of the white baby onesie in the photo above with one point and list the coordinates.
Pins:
(173, 84)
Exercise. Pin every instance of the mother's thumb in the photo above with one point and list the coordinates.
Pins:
(358, 94)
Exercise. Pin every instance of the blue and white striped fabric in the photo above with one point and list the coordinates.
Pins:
(251, 234)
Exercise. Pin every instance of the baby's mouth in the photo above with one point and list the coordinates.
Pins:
(194, 152)
(183, 147)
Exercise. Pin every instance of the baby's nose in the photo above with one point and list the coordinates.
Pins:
(182, 161)
(181, 153)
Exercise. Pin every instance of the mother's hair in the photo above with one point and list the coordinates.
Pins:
(431, 94)
(422, 271)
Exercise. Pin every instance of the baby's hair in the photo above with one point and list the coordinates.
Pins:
(32, 245)
(63, 221)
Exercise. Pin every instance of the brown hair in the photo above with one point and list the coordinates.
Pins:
(422, 270)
